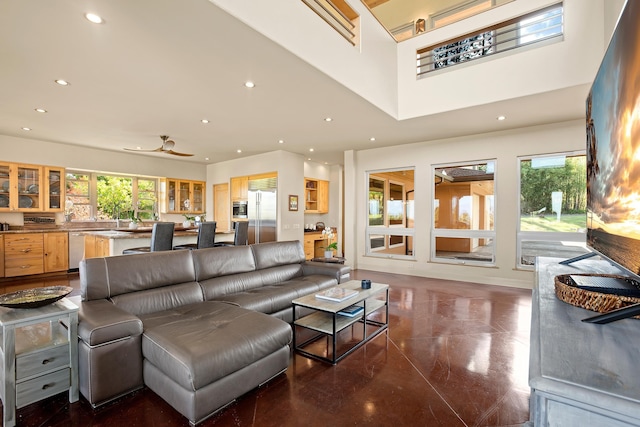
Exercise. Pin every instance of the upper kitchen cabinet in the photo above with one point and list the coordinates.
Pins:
(239, 188)
(316, 196)
(182, 196)
(54, 189)
(31, 188)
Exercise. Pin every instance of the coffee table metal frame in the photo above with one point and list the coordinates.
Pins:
(328, 323)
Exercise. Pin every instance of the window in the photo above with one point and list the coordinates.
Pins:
(463, 50)
(552, 208)
(390, 214)
(91, 195)
(463, 229)
(78, 197)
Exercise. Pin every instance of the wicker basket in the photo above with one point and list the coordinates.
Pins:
(567, 291)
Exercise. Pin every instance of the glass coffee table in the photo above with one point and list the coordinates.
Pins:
(329, 320)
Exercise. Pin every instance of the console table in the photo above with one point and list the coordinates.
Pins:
(580, 374)
(39, 355)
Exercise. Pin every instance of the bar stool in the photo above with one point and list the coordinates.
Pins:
(161, 239)
(241, 235)
(206, 237)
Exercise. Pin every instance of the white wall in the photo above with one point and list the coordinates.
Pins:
(505, 147)
(37, 152)
(290, 171)
(519, 73)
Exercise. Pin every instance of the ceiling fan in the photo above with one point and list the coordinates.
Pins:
(167, 147)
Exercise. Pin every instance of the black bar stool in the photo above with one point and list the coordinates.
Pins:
(161, 239)
(206, 237)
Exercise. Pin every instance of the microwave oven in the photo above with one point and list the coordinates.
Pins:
(240, 209)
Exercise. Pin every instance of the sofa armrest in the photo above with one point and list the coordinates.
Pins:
(100, 322)
(341, 272)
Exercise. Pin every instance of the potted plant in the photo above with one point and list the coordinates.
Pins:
(328, 250)
(187, 220)
(134, 220)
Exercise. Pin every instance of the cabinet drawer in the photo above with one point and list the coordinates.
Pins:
(20, 249)
(33, 239)
(23, 266)
(41, 361)
(39, 388)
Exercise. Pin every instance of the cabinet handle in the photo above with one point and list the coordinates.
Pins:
(26, 251)
(25, 266)
(45, 361)
(46, 386)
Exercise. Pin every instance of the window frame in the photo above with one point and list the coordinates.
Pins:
(93, 192)
(573, 238)
(386, 230)
(489, 235)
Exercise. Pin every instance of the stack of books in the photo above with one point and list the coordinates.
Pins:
(337, 294)
(351, 311)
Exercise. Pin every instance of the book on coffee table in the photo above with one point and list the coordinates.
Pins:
(351, 311)
(337, 294)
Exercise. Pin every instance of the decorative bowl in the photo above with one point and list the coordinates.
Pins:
(34, 298)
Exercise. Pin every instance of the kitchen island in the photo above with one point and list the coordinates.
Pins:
(98, 243)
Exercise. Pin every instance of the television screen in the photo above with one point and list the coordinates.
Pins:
(613, 147)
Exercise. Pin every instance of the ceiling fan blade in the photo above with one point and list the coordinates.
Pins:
(175, 153)
(159, 149)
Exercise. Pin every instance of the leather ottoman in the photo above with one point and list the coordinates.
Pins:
(199, 357)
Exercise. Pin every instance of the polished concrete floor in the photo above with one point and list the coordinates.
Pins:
(455, 354)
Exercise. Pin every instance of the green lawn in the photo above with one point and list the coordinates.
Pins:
(549, 222)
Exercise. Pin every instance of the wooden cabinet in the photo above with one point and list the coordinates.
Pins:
(35, 253)
(182, 196)
(314, 244)
(1, 255)
(31, 188)
(56, 251)
(239, 188)
(23, 254)
(96, 246)
(54, 189)
(316, 196)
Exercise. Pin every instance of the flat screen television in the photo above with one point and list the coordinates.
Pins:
(613, 148)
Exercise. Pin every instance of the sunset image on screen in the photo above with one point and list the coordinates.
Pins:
(613, 147)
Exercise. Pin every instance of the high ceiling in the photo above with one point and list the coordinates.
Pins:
(160, 67)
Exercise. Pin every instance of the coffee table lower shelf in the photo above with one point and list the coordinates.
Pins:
(325, 322)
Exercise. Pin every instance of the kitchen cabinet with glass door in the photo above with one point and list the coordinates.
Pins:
(182, 196)
(54, 189)
(25, 183)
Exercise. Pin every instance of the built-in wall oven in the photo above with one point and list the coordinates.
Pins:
(240, 209)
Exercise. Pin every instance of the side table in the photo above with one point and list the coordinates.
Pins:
(334, 260)
(39, 355)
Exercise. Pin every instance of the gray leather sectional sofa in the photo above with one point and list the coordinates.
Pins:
(198, 327)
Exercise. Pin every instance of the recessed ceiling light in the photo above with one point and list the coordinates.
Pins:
(372, 139)
(26, 128)
(281, 141)
(92, 17)
(62, 82)
(41, 110)
(205, 121)
(328, 119)
(501, 118)
(326, 163)
(308, 158)
(138, 148)
(238, 151)
(206, 158)
(311, 149)
(249, 84)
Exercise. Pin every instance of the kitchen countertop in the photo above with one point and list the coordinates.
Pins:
(110, 232)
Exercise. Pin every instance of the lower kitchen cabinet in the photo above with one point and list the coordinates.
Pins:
(34, 253)
(56, 251)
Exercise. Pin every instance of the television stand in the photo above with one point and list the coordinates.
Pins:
(580, 373)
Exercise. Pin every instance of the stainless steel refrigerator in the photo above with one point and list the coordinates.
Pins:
(262, 210)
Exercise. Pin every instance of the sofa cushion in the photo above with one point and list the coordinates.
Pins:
(198, 344)
(110, 276)
(273, 298)
(272, 254)
(159, 299)
(222, 261)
